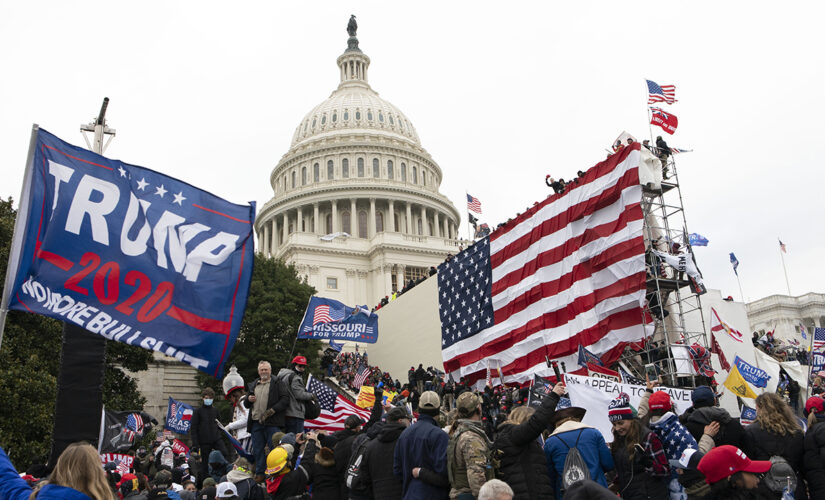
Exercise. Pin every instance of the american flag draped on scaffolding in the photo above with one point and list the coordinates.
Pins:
(569, 271)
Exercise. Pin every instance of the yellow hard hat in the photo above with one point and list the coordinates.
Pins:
(276, 460)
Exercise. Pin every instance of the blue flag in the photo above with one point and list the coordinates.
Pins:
(734, 262)
(130, 254)
(335, 346)
(236, 444)
(697, 240)
(817, 361)
(748, 415)
(178, 416)
(330, 319)
(755, 376)
(586, 356)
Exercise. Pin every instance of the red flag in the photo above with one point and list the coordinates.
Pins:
(667, 121)
(716, 349)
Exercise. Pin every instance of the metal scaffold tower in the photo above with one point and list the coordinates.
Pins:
(673, 299)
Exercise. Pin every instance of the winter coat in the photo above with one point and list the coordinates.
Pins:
(523, 463)
(730, 430)
(423, 444)
(13, 487)
(240, 417)
(633, 480)
(342, 453)
(218, 466)
(204, 429)
(277, 400)
(247, 488)
(591, 446)
(326, 484)
(813, 461)
(377, 465)
(297, 394)
(294, 482)
(761, 444)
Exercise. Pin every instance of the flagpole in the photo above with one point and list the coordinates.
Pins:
(469, 234)
(649, 124)
(787, 283)
(740, 288)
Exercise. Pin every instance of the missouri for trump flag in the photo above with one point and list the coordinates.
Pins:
(570, 271)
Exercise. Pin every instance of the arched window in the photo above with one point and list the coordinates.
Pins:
(360, 167)
(415, 176)
(345, 222)
(303, 176)
(345, 168)
(369, 114)
(294, 178)
(381, 117)
(423, 177)
(330, 170)
(329, 223)
(357, 114)
(324, 120)
(376, 168)
(420, 227)
(316, 173)
(390, 172)
(397, 221)
(403, 172)
(362, 224)
(346, 115)
(379, 222)
(334, 117)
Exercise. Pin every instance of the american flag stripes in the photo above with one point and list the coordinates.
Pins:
(568, 271)
(783, 247)
(660, 93)
(361, 376)
(819, 338)
(334, 408)
(323, 314)
(473, 204)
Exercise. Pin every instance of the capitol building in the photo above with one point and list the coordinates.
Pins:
(355, 205)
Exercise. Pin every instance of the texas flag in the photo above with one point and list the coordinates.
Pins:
(666, 121)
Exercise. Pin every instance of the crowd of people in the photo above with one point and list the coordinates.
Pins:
(442, 439)
(409, 285)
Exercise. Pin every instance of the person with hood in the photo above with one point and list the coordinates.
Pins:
(218, 466)
(468, 451)
(292, 379)
(377, 465)
(242, 476)
(267, 402)
(206, 436)
(813, 462)
(420, 457)
(326, 484)
(569, 432)
(705, 411)
(522, 461)
(78, 475)
(284, 482)
(642, 469)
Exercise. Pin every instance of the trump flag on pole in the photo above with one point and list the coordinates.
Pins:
(178, 416)
(130, 254)
(329, 319)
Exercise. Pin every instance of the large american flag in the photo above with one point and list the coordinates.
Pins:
(473, 204)
(334, 408)
(569, 271)
(819, 339)
(660, 93)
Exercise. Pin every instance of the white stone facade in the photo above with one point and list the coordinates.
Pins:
(786, 313)
(356, 165)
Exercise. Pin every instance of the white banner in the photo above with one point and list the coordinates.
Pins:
(595, 394)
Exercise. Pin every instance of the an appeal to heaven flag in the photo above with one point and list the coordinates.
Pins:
(330, 319)
(130, 254)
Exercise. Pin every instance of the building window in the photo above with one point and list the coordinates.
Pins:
(381, 117)
(415, 176)
(294, 179)
(423, 177)
(291, 228)
(413, 273)
(420, 228)
(360, 167)
(379, 222)
(332, 283)
(316, 172)
(403, 172)
(397, 221)
(313, 124)
(345, 168)
(324, 120)
(390, 172)
(329, 223)
(357, 114)
(345, 220)
(376, 168)
(391, 122)
(303, 176)
(330, 170)
(334, 117)
(369, 114)
(346, 115)
(362, 224)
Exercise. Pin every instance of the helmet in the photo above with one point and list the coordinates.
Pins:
(299, 360)
(276, 460)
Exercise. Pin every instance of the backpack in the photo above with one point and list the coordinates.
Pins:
(354, 467)
(575, 468)
(312, 408)
(780, 476)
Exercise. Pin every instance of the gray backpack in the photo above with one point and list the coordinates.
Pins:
(575, 468)
(780, 476)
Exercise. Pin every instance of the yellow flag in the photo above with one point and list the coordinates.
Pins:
(366, 397)
(390, 396)
(738, 385)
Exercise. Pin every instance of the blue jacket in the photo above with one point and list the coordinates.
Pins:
(13, 487)
(591, 445)
(423, 444)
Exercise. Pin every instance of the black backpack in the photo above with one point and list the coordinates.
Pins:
(575, 468)
(312, 408)
(352, 475)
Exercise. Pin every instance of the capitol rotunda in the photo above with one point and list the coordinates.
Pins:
(356, 206)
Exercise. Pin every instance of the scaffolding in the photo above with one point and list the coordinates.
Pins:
(671, 297)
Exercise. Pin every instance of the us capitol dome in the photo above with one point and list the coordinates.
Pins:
(356, 206)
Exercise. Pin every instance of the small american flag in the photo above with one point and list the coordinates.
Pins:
(325, 314)
(660, 93)
(361, 377)
(134, 425)
(782, 247)
(819, 338)
(334, 408)
(680, 150)
(473, 204)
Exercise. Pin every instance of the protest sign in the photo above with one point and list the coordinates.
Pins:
(124, 462)
(329, 319)
(595, 394)
(179, 447)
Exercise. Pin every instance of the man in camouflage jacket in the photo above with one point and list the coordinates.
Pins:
(468, 454)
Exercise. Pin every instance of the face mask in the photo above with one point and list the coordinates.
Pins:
(207, 402)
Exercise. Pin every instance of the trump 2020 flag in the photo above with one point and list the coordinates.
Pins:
(130, 254)
(329, 319)
(178, 416)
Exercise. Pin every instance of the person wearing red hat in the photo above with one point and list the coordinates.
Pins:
(292, 378)
(731, 474)
(813, 461)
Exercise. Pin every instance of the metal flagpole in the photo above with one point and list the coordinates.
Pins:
(787, 283)
(469, 226)
(649, 124)
(740, 288)
(810, 361)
